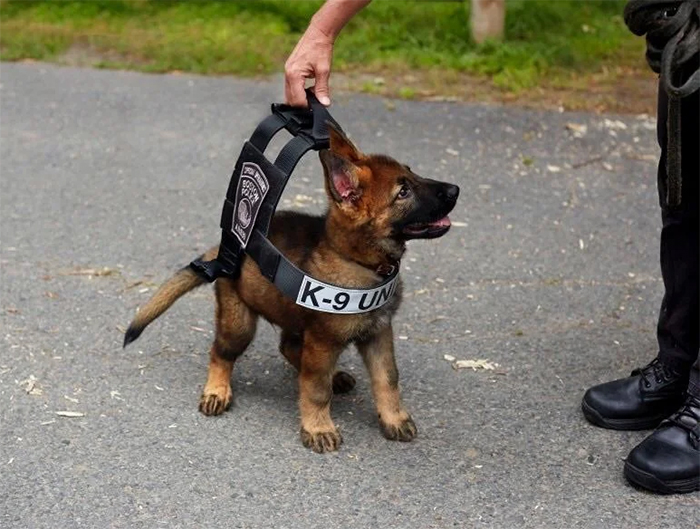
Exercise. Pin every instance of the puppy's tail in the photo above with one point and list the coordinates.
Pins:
(168, 293)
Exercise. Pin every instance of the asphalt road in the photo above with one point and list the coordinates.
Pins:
(113, 180)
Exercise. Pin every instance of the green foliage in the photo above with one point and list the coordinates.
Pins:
(252, 37)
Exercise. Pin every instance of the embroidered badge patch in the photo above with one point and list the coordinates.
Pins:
(251, 191)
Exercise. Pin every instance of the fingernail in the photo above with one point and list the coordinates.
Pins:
(326, 101)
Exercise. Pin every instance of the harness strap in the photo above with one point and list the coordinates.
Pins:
(266, 130)
(312, 293)
(291, 153)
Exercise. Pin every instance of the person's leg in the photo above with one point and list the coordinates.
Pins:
(654, 392)
(668, 460)
(678, 330)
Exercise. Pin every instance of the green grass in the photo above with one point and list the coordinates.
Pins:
(544, 39)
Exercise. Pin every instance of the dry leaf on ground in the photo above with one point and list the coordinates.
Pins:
(475, 365)
(479, 363)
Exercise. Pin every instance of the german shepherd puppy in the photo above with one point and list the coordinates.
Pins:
(376, 204)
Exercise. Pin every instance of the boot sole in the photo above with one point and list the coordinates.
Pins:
(650, 482)
(646, 423)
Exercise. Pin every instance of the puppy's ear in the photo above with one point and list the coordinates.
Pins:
(341, 145)
(342, 183)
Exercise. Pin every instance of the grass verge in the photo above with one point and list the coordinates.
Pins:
(553, 54)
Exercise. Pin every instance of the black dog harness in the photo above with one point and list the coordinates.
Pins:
(251, 200)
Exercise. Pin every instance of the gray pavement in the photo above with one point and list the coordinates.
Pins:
(113, 180)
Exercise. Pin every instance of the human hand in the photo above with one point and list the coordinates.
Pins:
(310, 59)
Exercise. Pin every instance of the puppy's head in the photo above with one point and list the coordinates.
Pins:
(384, 197)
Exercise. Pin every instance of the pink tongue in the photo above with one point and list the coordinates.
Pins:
(442, 223)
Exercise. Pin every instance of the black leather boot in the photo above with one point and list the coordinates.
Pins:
(638, 402)
(668, 460)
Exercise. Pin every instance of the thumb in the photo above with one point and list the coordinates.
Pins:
(321, 87)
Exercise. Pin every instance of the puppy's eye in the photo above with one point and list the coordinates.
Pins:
(404, 192)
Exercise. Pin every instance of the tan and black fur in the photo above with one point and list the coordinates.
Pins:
(375, 205)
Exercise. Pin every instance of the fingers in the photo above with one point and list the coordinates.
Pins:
(295, 95)
(294, 90)
(295, 83)
(321, 88)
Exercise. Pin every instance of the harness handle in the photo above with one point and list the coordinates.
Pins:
(311, 122)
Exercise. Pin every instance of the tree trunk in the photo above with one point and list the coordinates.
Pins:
(487, 19)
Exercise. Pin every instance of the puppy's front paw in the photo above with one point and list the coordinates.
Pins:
(342, 382)
(216, 401)
(403, 430)
(321, 442)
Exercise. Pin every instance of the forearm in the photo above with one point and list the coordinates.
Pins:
(331, 18)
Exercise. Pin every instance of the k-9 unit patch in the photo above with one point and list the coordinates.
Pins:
(251, 191)
(323, 297)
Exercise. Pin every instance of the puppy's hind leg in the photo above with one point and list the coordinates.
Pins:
(235, 329)
(291, 345)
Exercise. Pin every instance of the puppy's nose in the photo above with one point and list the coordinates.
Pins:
(449, 193)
